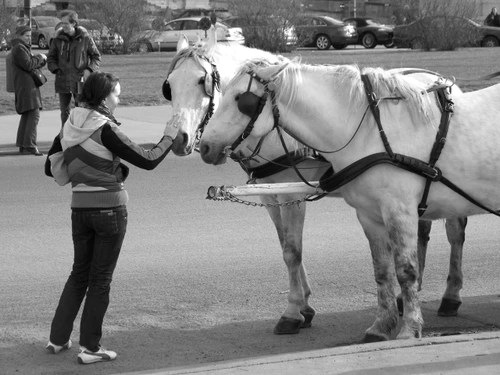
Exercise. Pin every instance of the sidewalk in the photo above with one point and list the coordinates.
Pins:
(477, 354)
(143, 125)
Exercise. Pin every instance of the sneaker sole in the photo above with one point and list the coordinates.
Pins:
(92, 359)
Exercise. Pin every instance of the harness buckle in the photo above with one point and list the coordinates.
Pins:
(448, 107)
(436, 173)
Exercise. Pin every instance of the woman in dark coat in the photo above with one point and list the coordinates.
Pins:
(28, 98)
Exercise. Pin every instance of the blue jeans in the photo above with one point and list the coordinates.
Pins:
(97, 237)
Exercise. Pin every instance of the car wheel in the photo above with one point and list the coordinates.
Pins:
(369, 40)
(490, 41)
(144, 47)
(323, 42)
(389, 44)
(42, 42)
(339, 46)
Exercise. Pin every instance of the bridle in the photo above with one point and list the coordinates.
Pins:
(211, 84)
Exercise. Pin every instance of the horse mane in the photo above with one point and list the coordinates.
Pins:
(225, 55)
(348, 79)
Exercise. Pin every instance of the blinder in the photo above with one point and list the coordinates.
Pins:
(248, 103)
(166, 90)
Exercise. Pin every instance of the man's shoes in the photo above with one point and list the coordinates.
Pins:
(54, 349)
(33, 151)
(86, 356)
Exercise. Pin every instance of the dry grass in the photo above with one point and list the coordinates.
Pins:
(141, 75)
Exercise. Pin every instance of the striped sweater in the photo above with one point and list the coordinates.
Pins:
(93, 147)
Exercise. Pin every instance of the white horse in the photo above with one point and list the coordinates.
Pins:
(192, 88)
(325, 107)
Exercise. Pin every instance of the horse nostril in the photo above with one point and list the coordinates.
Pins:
(185, 138)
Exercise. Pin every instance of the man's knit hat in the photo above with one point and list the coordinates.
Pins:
(20, 30)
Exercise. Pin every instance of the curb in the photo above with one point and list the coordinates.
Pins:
(333, 357)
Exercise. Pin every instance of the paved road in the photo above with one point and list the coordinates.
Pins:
(204, 281)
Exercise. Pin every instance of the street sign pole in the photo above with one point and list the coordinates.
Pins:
(27, 11)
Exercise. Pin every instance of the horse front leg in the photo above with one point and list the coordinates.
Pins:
(401, 224)
(385, 277)
(289, 223)
(424, 230)
(451, 301)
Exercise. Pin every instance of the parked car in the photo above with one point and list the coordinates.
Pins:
(323, 31)
(371, 33)
(415, 34)
(220, 13)
(43, 29)
(262, 25)
(149, 40)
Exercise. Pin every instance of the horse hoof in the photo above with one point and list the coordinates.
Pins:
(370, 337)
(449, 307)
(308, 317)
(399, 300)
(287, 326)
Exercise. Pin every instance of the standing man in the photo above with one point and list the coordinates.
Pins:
(73, 55)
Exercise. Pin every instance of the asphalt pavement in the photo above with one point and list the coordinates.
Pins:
(475, 353)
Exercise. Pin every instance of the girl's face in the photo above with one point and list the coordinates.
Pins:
(113, 98)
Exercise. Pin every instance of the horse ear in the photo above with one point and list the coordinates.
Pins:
(272, 71)
(211, 40)
(183, 43)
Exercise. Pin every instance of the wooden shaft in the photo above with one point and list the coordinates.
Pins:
(215, 192)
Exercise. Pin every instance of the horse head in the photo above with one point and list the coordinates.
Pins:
(192, 86)
(245, 111)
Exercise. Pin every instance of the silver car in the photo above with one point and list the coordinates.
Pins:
(168, 36)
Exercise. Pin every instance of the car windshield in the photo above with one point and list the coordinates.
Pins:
(333, 21)
(372, 22)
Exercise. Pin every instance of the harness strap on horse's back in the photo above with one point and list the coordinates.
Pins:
(332, 181)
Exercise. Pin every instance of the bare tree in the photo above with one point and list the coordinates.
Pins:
(445, 25)
(124, 17)
(268, 24)
(7, 22)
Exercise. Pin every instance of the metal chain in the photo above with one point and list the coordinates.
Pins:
(227, 196)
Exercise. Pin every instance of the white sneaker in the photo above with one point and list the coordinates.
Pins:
(86, 356)
(54, 349)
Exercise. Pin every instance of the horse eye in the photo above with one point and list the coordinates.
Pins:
(202, 80)
(237, 97)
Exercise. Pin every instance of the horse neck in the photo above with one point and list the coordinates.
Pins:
(323, 117)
